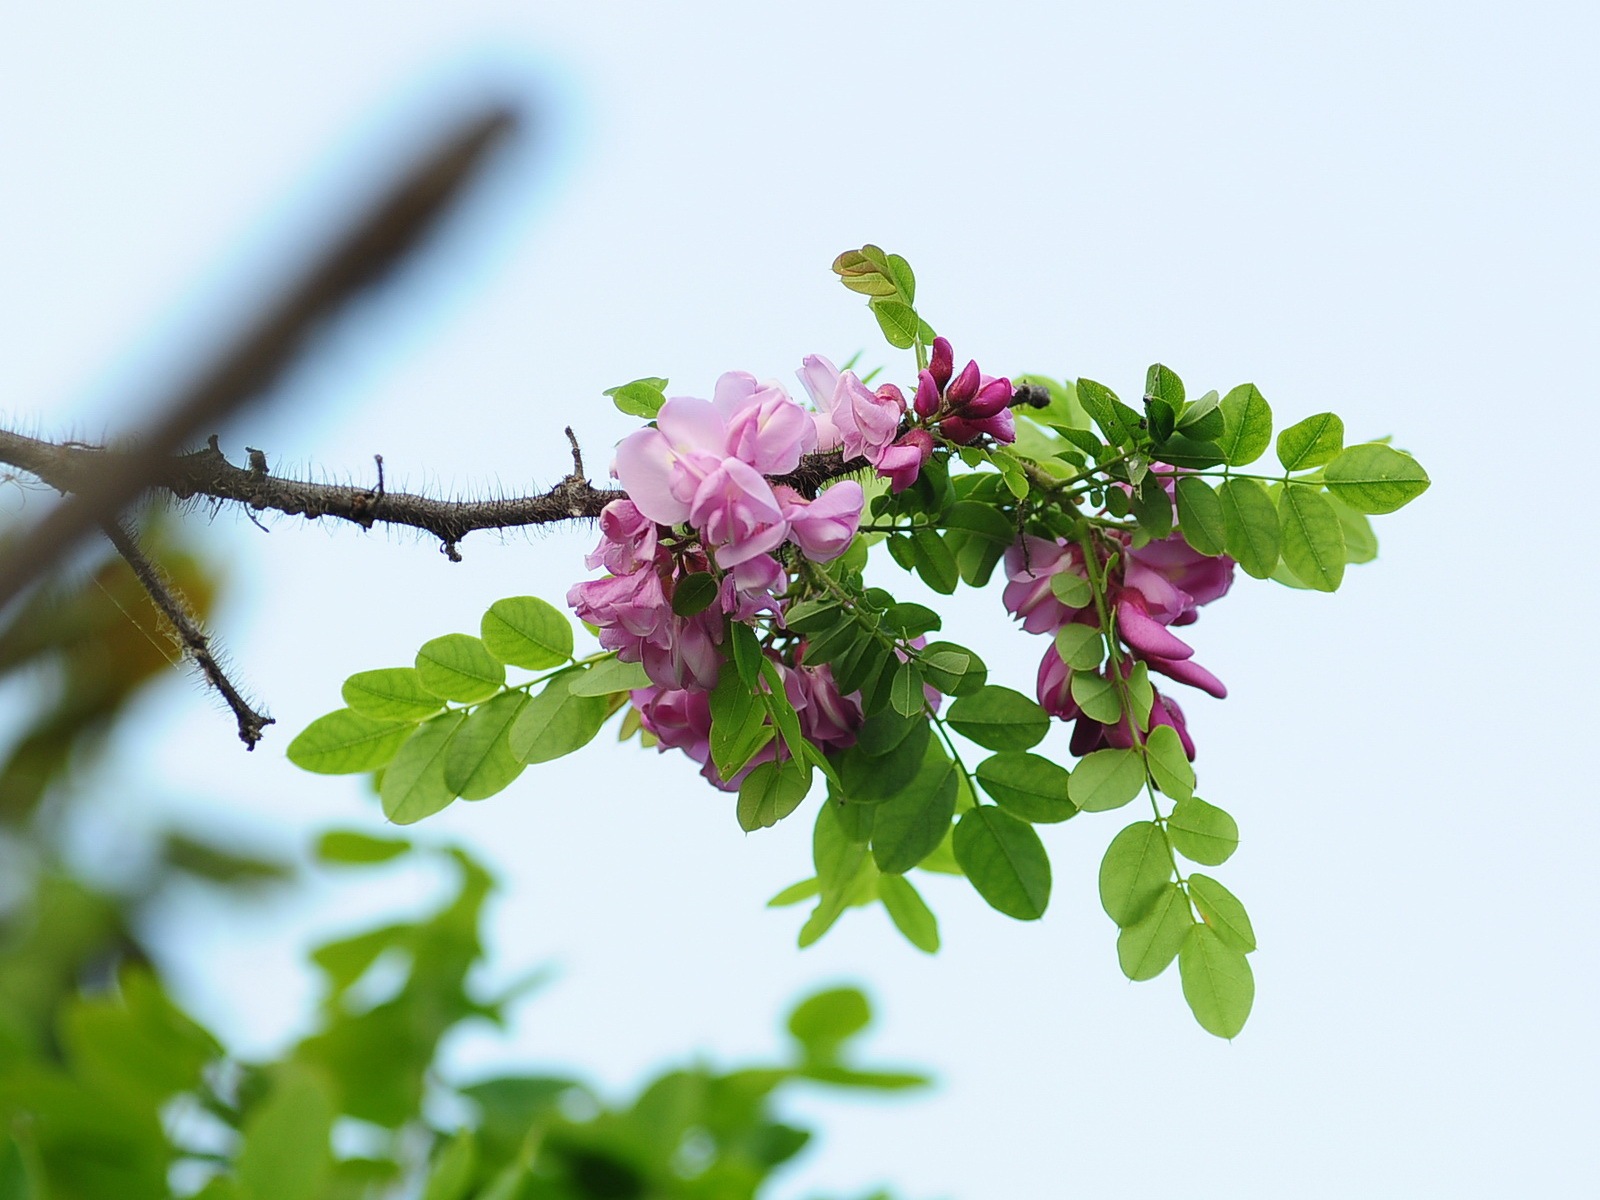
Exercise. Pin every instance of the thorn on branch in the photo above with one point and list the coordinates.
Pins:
(578, 473)
(378, 458)
(196, 645)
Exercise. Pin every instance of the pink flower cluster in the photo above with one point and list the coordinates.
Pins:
(968, 406)
(1156, 586)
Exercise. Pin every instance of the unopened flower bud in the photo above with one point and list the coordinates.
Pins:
(965, 385)
(926, 401)
(943, 362)
(991, 398)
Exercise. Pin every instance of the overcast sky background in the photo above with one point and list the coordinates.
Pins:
(1387, 210)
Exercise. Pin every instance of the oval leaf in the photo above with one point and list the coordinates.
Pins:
(609, 676)
(1223, 912)
(908, 827)
(1217, 982)
(1005, 860)
(770, 793)
(998, 718)
(910, 914)
(1313, 538)
(1375, 478)
(1202, 832)
(479, 761)
(527, 632)
(1200, 518)
(1246, 425)
(1106, 779)
(1311, 443)
(1135, 869)
(555, 722)
(390, 694)
(413, 784)
(1169, 765)
(459, 667)
(1251, 524)
(1145, 949)
(344, 742)
(1028, 786)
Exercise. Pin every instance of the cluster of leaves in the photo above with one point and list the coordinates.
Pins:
(114, 1092)
(1086, 468)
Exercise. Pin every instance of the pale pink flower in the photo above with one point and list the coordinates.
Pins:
(902, 462)
(823, 527)
(866, 422)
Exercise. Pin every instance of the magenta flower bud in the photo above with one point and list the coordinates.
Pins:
(890, 391)
(993, 395)
(926, 401)
(942, 363)
(902, 462)
(965, 386)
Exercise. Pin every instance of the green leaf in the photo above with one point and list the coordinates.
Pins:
(784, 718)
(908, 826)
(1311, 443)
(1106, 779)
(1223, 912)
(770, 793)
(414, 784)
(1081, 647)
(934, 561)
(1163, 383)
(285, 1154)
(1135, 869)
(526, 632)
(1198, 410)
(1217, 982)
(905, 693)
(812, 616)
(952, 669)
(1183, 451)
(1005, 860)
(1247, 426)
(898, 321)
(479, 762)
(641, 398)
(795, 893)
(1097, 696)
(459, 667)
(738, 725)
(1251, 520)
(1313, 539)
(980, 520)
(344, 742)
(1028, 786)
(869, 778)
(1145, 949)
(1374, 478)
(556, 722)
(823, 1023)
(998, 718)
(1360, 543)
(1153, 507)
(1200, 516)
(1141, 695)
(746, 652)
(1071, 588)
(390, 694)
(909, 619)
(453, 1169)
(910, 914)
(1169, 765)
(1202, 832)
(694, 593)
(352, 847)
(904, 281)
(608, 677)
(1109, 413)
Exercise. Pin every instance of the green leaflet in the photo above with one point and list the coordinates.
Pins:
(998, 718)
(641, 398)
(1223, 912)
(526, 632)
(1005, 860)
(694, 593)
(952, 669)
(414, 784)
(824, 1022)
(1360, 543)
(910, 914)
(908, 826)
(1106, 779)
(1202, 832)
(905, 693)
(1374, 478)
(897, 320)
(934, 561)
(771, 792)
(869, 778)
(1081, 647)
(1169, 765)
(1028, 786)
(1116, 420)
(286, 1153)
(1311, 443)
(390, 694)
(479, 762)
(556, 722)
(608, 677)
(1313, 538)
(738, 725)
(1251, 522)
(1097, 696)
(1217, 982)
(1200, 517)
(352, 846)
(1145, 948)
(459, 667)
(1247, 425)
(1134, 870)
(344, 742)
(451, 1176)
(1071, 588)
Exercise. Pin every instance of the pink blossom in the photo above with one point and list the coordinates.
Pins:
(903, 462)
(1030, 564)
(823, 527)
(627, 539)
(765, 427)
(661, 468)
(1002, 427)
(866, 422)
(734, 510)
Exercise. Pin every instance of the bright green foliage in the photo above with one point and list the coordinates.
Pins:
(641, 398)
(1202, 832)
(1251, 523)
(1311, 443)
(1005, 860)
(1201, 519)
(1217, 982)
(391, 694)
(908, 826)
(1147, 947)
(1028, 786)
(459, 667)
(1247, 426)
(1106, 779)
(1081, 647)
(478, 761)
(1223, 912)
(770, 793)
(998, 718)
(349, 847)
(909, 912)
(1375, 478)
(1135, 869)
(344, 741)
(414, 784)
(1169, 766)
(556, 722)
(524, 631)
(1313, 539)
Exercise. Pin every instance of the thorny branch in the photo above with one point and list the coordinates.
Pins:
(196, 645)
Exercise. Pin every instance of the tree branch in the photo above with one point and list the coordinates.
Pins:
(196, 645)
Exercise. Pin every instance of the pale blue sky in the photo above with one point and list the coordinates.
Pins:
(1382, 209)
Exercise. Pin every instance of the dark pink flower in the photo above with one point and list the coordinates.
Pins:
(903, 462)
